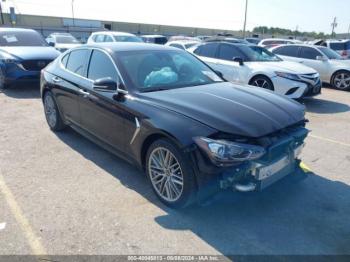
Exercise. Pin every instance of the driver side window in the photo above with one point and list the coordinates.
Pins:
(101, 66)
(228, 52)
(309, 53)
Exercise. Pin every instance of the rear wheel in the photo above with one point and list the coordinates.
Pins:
(263, 82)
(341, 80)
(52, 114)
(170, 174)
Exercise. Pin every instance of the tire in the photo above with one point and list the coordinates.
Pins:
(166, 181)
(52, 114)
(263, 82)
(341, 80)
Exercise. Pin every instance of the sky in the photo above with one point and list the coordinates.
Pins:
(307, 15)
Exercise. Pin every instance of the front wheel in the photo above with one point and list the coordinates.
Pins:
(263, 82)
(171, 176)
(341, 80)
(52, 114)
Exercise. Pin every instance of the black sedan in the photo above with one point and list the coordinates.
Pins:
(164, 110)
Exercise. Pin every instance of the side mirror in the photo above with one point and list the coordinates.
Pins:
(321, 58)
(105, 84)
(219, 74)
(52, 44)
(238, 60)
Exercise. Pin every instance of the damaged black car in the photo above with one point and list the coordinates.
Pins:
(164, 110)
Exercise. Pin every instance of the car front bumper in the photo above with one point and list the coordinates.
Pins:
(280, 161)
(16, 73)
(296, 89)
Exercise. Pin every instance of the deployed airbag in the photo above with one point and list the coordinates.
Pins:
(164, 76)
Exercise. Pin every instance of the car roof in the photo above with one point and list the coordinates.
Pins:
(113, 33)
(112, 47)
(153, 36)
(11, 29)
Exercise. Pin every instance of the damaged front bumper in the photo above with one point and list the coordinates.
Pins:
(280, 161)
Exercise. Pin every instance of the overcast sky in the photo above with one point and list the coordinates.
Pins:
(309, 15)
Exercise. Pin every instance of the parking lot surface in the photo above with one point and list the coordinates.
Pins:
(61, 194)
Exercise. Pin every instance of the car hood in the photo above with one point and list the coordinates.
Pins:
(284, 66)
(240, 110)
(31, 52)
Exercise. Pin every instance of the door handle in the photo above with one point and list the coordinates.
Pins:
(56, 79)
(82, 92)
(301, 62)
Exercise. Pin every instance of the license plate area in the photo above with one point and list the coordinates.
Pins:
(268, 171)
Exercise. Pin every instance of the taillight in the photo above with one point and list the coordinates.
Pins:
(345, 53)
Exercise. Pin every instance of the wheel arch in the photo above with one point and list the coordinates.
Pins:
(261, 75)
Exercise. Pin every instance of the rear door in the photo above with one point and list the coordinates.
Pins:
(230, 69)
(102, 115)
(308, 56)
(67, 85)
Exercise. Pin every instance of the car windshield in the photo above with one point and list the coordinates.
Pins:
(127, 38)
(163, 70)
(24, 38)
(258, 54)
(330, 53)
(66, 40)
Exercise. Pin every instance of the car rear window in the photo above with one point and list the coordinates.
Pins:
(340, 46)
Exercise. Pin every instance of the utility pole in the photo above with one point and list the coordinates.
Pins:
(73, 13)
(296, 32)
(245, 18)
(349, 31)
(334, 25)
(1, 14)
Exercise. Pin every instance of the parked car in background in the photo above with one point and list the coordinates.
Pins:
(155, 39)
(183, 44)
(183, 38)
(254, 65)
(167, 112)
(333, 69)
(62, 41)
(23, 54)
(342, 47)
(112, 36)
(253, 40)
(271, 42)
(203, 37)
(227, 39)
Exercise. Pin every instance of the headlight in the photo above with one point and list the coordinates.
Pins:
(225, 153)
(288, 76)
(7, 58)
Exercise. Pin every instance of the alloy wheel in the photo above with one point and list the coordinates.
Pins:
(165, 174)
(261, 82)
(342, 80)
(50, 111)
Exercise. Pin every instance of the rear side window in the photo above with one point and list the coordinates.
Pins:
(287, 51)
(99, 38)
(229, 52)
(77, 61)
(101, 66)
(207, 50)
(108, 39)
(309, 53)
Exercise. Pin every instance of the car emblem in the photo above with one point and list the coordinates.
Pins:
(41, 64)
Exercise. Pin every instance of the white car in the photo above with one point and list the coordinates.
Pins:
(62, 41)
(254, 65)
(342, 47)
(183, 44)
(112, 36)
(270, 42)
(333, 69)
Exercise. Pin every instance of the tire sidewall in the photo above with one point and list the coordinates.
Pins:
(189, 187)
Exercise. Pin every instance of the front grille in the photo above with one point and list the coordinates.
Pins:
(310, 78)
(35, 65)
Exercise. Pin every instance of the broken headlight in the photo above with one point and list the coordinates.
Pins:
(225, 153)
